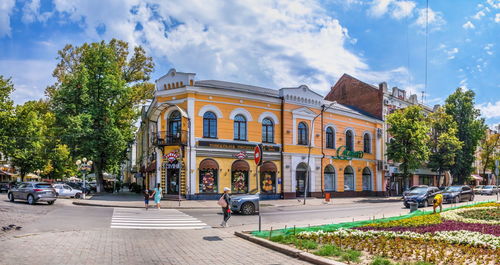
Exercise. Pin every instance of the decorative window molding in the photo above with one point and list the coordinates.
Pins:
(241, 111)
(211, 108)
(269, 115)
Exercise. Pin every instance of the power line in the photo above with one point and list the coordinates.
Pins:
(426, 48)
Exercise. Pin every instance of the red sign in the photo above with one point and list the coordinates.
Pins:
(257, 154)
(172, 156)
(241, 155)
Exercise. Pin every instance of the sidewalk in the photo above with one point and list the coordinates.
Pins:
(134, 200)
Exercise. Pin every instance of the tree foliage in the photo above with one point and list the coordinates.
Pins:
(443, 141)
(471, 129)
(489, 148)
(95, 97)
(409, 132)
(6, 112)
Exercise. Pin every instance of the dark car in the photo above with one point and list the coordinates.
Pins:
(458, 193)
(4, 186)
(245, 203)
(423, 196)
(412, 188)
(33, 192)
(489, 190)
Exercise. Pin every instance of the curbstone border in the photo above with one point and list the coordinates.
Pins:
(138, 207)
(293, 252)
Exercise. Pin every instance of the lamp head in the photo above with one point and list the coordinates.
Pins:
(84, 160)
(90, 163)
(78, 162)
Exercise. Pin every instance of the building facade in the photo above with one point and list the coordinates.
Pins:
(197, 137)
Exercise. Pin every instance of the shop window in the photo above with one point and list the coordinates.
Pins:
(330, 180)
(239, 176)
(302, 134)
(367, 148)
(349, 140)
(240, 128)
(174, 124)
(426, 180)
(330, 138)
(348, 179)
(267, 131)
(208, 170)
(367, 179)
(268, 178)
(209, 125)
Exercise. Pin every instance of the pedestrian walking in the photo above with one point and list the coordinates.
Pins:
(224, 202)
(157, 195)
(146, 198)
(438, 201)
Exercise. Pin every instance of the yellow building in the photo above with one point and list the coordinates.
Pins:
(198, 137)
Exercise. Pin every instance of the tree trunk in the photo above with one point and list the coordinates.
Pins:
(99, 177)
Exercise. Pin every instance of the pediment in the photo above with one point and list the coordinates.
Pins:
(303, 111)
(302, 95)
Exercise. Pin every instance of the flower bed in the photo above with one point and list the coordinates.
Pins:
(459, 215)
(487, 214)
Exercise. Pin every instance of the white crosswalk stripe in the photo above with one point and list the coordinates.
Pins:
(154, 219)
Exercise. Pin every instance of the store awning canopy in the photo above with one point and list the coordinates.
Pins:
(208, 164)
(268, 167)
(240, 165)
(32, 176)
(6, 173)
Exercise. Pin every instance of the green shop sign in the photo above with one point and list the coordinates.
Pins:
(344, 154)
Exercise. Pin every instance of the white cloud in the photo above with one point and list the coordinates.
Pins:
(379, 7)
(478, 15)
(494, 3)
(490, 110)
(464, 83)
(434, 18)
(31, 12)
(397, 9)
(274, 44)
(403, 9)
(488, 47)
(497, 18)
(468, 25)
(451, 53)
(6, 7)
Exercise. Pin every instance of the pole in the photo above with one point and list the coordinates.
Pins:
(258, 192)
(84, 175)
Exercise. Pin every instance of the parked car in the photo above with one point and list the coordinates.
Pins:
(245, 203)
(478, 188)
(33, 192)
(489, 190)
(4, 186)
(64, 190)
(423, 196)
(457, 194)
(412, 188)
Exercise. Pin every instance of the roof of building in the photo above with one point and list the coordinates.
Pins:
(237, 87)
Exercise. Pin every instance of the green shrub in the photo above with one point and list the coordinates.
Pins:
(306, 244)
(278, 238)
(328, 250)
(381, 261)
(423, 263)
(350, 256)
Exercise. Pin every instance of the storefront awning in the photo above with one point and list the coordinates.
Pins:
(477, 177)
(208, 164)
(268, 167)
(240, 165)
(6, 173)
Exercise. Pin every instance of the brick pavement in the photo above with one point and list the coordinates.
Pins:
(115, 246)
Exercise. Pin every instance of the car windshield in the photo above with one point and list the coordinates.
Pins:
(453, 189)
(479, 187)
(43, 185)
(419, 190)
(488, 187)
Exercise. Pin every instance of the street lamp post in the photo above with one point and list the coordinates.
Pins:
(84, 166)
(308, 172)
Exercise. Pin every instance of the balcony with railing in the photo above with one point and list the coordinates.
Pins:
(165, 138)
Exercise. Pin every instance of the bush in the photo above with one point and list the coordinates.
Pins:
(350, 256)
(278, 238)
(306, 244)
(381, 261)
(328, 250)
(423, 263)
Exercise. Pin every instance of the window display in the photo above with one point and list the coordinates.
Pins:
(268, 182)
(239, 182)
(208, 181)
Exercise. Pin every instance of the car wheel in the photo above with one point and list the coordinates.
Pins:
(78, 195)
(57, 194)
(11, 197)
(31, 199)
(471, 198)
(426, 203)
(50, 202)
(457, 199)
(407, 206)
(247, 208)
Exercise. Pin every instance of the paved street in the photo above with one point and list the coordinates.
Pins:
(68, 234)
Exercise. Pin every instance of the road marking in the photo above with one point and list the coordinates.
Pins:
(154, 219)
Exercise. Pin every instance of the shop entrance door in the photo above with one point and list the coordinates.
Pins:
(300, 176)
(172, 184)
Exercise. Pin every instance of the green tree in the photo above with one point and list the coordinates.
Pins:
(443, 142)
(489, 145)
(409, 143)
(471, 129)
(6, 113)
(95, 97)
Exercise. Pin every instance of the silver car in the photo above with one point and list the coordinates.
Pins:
(64, 190)
(33, 192)
(489, 190)
(245, 203)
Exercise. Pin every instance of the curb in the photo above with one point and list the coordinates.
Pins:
(138, 207)
(289, 251)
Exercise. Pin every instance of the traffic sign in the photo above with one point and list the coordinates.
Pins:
(257, 154)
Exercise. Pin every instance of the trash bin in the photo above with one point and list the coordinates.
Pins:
(327, 196)
(413, 206)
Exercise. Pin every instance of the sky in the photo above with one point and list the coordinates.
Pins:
(271, 43)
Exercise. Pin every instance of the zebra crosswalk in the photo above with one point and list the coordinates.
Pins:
(154, 219)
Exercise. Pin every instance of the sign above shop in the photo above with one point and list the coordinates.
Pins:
(171, 157)
(241, 155)
(344, 154)
(237, 146)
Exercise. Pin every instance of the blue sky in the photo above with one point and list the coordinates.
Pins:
(271, 43)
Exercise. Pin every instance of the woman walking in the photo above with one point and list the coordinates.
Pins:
(157, 195)
(224, 202)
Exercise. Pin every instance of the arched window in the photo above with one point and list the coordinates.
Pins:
(209, 125)
(348, 179)
(300, 177)
(267, 131)
(349, 140)
(330, 138)
(174, 124)
(302, 134)
(240, 128)
(367, 179)
(208, 182)
(330, 180)
(367, 148)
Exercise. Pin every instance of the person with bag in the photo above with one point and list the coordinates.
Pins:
(224, 202)
(157, 195)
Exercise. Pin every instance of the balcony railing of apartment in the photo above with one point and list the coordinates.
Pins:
(165, 138)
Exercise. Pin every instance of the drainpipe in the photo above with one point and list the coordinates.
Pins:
(322, 151)
(282, 145)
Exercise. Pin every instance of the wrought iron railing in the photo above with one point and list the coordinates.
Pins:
(165, 138)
